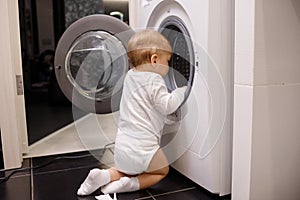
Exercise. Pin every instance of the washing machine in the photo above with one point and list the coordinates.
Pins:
(91, 62)
(209, 29)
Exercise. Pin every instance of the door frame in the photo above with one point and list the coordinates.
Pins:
(12, 103)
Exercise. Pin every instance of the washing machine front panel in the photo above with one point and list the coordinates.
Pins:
(170, 18)
(91, 61)
(206, 30)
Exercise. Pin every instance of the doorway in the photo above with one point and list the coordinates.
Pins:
(42, 24)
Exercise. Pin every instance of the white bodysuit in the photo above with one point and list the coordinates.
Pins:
(144, 107)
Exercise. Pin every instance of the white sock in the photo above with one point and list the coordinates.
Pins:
(95, 179)
(125, 184)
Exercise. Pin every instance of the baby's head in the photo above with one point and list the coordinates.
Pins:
(143, 44)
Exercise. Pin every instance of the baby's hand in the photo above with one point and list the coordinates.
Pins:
(183, 88)
(177, 116)
(173, 118)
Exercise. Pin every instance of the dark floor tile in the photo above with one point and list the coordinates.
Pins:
(16, 188)
(145, 198)
(134, 195)
(1, 159)
(67, 161)
(192, 194)
(61, 180)
(62, 185)
(226, 197)
(58, 185)
(86, 198)
(24, 170)
(174, 181)
(141, 194)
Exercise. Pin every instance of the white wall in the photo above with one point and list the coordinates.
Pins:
(267, 100)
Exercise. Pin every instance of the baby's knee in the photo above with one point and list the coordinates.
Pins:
(165, 170)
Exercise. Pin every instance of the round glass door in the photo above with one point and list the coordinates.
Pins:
(181, 72)
(94, 65)
(91, 62)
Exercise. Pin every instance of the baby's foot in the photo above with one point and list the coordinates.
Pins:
(95, 179)
(125, 184)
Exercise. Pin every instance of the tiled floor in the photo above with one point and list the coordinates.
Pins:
(60, 178)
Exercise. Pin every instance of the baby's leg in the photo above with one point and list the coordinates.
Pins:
(97, 178)
(157, 170)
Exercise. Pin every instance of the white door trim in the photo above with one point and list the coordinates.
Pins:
(12, 106)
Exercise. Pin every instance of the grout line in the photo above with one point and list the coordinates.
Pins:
(62, 170)
(144, 198)
(31, 180)
(277, 84)
(99, 164)
(15, 176)
(150, 195)
(147, 197)
(175, 191)
(166, 193)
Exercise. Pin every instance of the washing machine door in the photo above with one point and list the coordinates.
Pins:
(91, 62)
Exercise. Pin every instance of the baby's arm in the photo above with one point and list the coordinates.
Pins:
(175, 116)
(166, 102)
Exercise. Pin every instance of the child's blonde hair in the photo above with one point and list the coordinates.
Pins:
(143, 44)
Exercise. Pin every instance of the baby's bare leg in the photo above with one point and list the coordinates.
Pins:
(115, 174)
(157, 170)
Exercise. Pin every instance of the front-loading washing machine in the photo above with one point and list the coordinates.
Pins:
(91, 61)
(209, 27)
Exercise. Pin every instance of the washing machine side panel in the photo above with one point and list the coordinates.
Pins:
(220, 50)
(203, 172)
(227, 54)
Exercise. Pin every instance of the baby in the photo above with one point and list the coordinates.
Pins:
(145, 105)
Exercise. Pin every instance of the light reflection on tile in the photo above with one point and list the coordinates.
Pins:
(89, 132)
